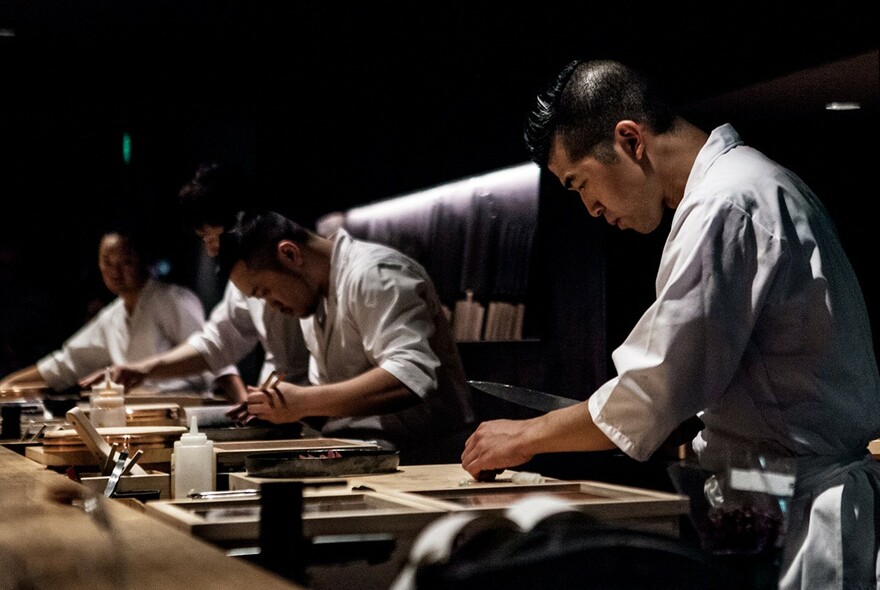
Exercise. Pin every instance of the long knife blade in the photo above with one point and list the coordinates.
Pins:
(521, 396)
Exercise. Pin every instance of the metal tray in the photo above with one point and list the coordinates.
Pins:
(329, 462)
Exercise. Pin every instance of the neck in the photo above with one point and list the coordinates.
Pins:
(130, 297)
(678, 151)
(318, 262)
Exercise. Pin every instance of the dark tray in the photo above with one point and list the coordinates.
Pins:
(322, 462)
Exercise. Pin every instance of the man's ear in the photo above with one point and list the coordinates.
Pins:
(629, 136)
(289, 254)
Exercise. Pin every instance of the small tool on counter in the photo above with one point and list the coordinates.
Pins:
(26, 431)
(96, 444)
(211, 495)
(132, 462)
(113, 481)
(38, 433)
(107, 468)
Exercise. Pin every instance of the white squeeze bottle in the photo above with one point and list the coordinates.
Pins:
(192, 463)
(107, 404)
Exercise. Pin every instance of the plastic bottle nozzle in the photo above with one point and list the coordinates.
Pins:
(193, 425)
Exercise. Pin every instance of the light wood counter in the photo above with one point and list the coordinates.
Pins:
(45, 543)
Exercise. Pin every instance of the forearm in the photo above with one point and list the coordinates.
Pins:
(28, 375)
(375, 392)
(567, 429)
(232, 388)
(500, 444)
(181, 361)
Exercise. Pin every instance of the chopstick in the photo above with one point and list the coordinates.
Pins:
(274, 378)
(107, 468)
(132, 461)
(279, 377)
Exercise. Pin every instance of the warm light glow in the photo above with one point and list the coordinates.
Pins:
(516, 176)
(842, 106)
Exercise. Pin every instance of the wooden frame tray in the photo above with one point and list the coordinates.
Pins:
(237, 521)
(600, 500)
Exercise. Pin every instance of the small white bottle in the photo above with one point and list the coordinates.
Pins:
(107, 404)
(193, 468)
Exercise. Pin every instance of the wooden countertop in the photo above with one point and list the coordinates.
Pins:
(51, 544)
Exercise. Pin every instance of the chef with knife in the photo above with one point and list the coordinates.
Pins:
(759, 324)
(384, 363)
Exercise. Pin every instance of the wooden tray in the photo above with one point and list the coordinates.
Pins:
(237, 521)
(85, 457)
(332, 462)
(133, 437)
(24, 391)
(231, 455)
(599, 500)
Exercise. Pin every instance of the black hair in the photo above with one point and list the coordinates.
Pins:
(582, 105)
(215, 195)
(254, 240)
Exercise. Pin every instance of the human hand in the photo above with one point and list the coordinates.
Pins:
(239, 414)
(273, 404)
(494, 446)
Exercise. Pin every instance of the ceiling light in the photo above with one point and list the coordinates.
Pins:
(842, 106)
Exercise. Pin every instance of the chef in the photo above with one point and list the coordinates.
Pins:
(384, 363)
(759, 324)
(147, 317)
(209, 204)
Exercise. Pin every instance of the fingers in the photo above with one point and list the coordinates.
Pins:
(487, 474)
(240, 415)
(270, 395)
(266, 402)
(480, 457)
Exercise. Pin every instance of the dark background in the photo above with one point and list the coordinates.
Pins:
(335, 104)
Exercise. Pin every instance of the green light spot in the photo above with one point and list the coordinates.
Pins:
(126, 148)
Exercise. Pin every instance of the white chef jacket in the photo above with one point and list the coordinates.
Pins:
(760, 323)
(382, 310)
(238, 323)
(163, 317)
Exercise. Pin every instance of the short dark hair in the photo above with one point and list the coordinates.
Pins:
(215, 195)
(138, 237)
(254, 238)
(585, 101)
